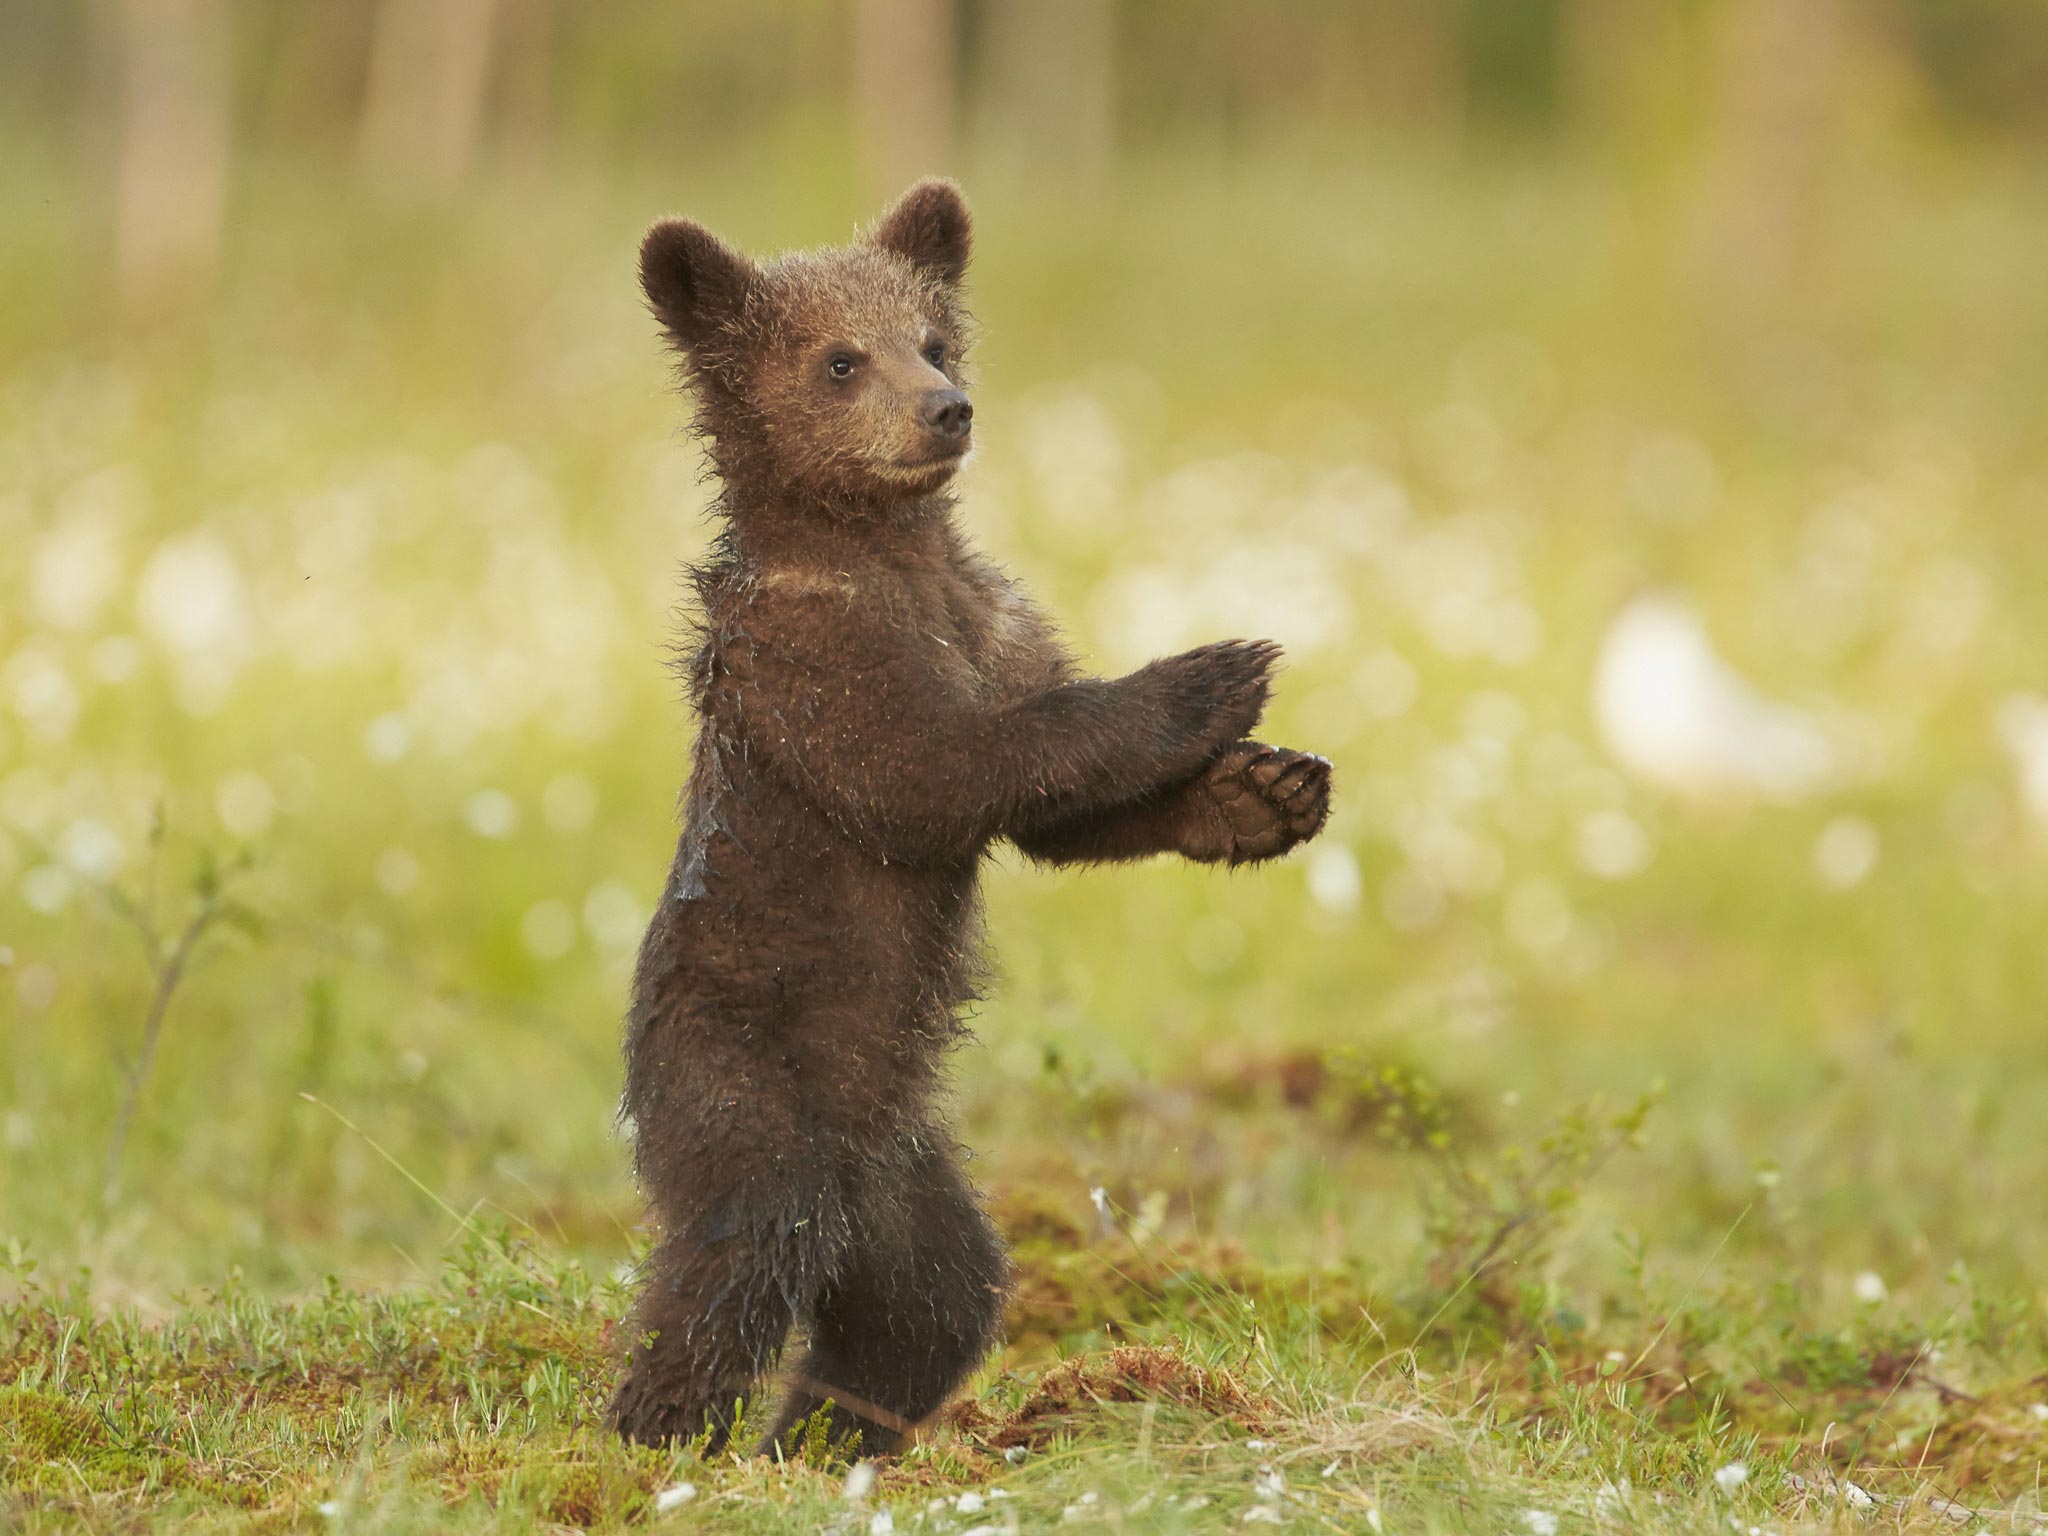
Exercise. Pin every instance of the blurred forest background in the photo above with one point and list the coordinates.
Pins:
(1630, 417)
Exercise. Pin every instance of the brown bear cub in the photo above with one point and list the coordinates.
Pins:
(878, 705)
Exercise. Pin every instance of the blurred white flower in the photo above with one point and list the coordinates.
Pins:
(1539, 1522)
(246, 804)
(491, 813)
(387, 738)
(1732, 1476)
(1845, 852)
(1264, 1514)
(614, 916)
(548, 930)
(1538, 916)
(47, 888)
(36, 986)
(970, 1503)
(92, 848)
(76, 567)
(1676, 715)
(2023, 727)
(1334, 881)
(192, 597)
(860, 1482)
(674, 1497)
(1611, 1499)
(1613, 845)
(882, 1523)
(42, 693)
(1870, 1288)
(397, 871)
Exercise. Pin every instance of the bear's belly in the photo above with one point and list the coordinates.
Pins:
(836, 978)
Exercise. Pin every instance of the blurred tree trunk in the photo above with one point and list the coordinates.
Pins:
(1045, 87)
(1414, 65)
(430, 69)
(904, 88)
(1775, 92)
(171, 182)
(526, 50)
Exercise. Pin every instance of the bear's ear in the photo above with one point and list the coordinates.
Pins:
(693, 279)
(930, 229)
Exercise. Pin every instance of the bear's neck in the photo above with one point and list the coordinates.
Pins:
(779, 531)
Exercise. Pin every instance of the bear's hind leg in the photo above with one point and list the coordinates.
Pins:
(709, 1322)
(908, 1314)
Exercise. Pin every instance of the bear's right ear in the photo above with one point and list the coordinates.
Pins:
(693, 279)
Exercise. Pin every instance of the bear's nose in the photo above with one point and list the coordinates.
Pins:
(949, 413)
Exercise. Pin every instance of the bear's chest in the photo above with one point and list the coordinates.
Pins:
(974, 637)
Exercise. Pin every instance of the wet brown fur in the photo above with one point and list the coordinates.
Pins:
(878, 705)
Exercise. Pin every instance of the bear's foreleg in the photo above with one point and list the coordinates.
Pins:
(1255, 802)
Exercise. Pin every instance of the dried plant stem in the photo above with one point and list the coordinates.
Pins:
(169, 966)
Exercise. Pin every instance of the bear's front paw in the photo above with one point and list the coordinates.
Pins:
(1271, 798)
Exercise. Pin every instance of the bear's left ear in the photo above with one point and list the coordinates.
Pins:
(930, 229)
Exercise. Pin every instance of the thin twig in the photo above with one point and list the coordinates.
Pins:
(169, 967)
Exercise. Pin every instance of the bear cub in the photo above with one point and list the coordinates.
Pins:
(877, 705)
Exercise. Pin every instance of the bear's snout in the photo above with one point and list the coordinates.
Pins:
(949, 414)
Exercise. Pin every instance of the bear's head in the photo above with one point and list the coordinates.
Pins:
(832, 375)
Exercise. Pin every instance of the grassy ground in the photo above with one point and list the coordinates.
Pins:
(1541, 1149)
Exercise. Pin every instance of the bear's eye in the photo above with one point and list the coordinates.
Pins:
(935, 353)
(841, 366)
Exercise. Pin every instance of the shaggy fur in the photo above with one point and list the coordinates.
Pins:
(878, 705)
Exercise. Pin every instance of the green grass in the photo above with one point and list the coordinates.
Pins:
(1464, 1179)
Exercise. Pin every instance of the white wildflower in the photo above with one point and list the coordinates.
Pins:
(1731, 1477)
(1539, 1522)
(1099, 1198)
(860, 1482)
(491, 813)
(387, 738)
(675, 1497)
(882, 1524)
(1870, 1288)
(970, 1503)
(1015, 1455)
(1269, 1485)
(1611, 1499)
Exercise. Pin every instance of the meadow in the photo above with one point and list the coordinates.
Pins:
(1545, 1149)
